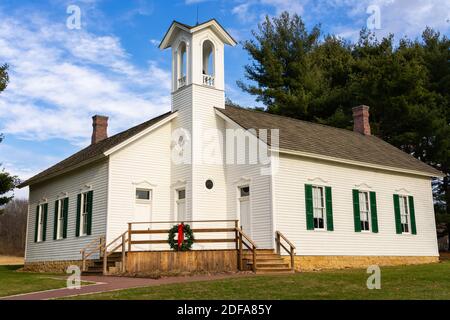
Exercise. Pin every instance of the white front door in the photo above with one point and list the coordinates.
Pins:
(181, 205)
(142, 213)
(244, 210)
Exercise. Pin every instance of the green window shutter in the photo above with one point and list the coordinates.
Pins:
(356, 212)
(66, 216)
(373, 211)
(329, 208)
(55, 225)
(412, 214)
(77, 227)
(36, 226)
(309, 207)
(89, 208)
(44, 232)
(398, 224)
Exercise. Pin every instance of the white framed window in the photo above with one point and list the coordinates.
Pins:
(41, 223)
(60, 220)
(364, 210)
(244, 191)
(319, 212)
(181, 194)
(404, 214)
(143, 194)
(84, 214)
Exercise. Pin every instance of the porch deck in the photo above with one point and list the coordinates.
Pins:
(219, 246)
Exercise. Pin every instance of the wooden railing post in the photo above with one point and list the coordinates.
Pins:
(123, 252)
(278, 240)
(292, 259)
(83, 259)
(236, 225)
(102, 244)
(105, 261)
(129, 236)
(254, 259)
(241, 266)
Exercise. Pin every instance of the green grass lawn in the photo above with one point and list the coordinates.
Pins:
(13, 282)
(430, 281)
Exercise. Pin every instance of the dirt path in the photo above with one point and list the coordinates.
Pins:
(104, 284)
(9, 260)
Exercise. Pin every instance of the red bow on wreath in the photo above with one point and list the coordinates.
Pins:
(180, 235)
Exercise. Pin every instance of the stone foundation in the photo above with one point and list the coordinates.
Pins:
(316, 263)
(52, 266)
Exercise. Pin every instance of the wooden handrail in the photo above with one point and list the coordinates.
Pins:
(291, 250)
(286, 239)
(246, 237)
(241, 237)
(87, 251)
(109, 244)
(106, 254)
(193, 230)
(180, 221)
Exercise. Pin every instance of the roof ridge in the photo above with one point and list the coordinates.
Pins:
(133, 127)
(327, 140)
(93, 150)
(300, 120)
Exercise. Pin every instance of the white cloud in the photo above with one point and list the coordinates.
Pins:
(243, 13)
(60, 78)
(249, 10)
(400, 17)
(291, 6)
(347, 17)
(155, 42)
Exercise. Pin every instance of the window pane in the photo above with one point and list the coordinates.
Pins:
(181, 194)
(142, 194)
(245, 191)
(318, 197)
(85, 204)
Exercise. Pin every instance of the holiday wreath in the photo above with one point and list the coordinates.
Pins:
(185, 237)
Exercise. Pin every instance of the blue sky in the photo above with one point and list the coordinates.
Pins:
(112, 66)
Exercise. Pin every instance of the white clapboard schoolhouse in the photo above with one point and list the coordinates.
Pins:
(288, 195)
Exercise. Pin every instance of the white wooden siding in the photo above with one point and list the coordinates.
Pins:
(145, 160)
(95, 175)
(260, 198)
(289, 207)
(181, 102)
(208, 204)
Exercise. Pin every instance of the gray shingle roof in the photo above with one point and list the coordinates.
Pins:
(328, 141)
(92, 152)
(295, 135)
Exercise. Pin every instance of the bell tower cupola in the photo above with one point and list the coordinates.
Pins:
(197, 54)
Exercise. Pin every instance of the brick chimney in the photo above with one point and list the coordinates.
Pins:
(361, 120)
(99, 128)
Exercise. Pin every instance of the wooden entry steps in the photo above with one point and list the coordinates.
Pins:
(267, 262)
(113, 266)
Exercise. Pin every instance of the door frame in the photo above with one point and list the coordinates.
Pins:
(148, 186)
(177, 203)
(238, 205)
